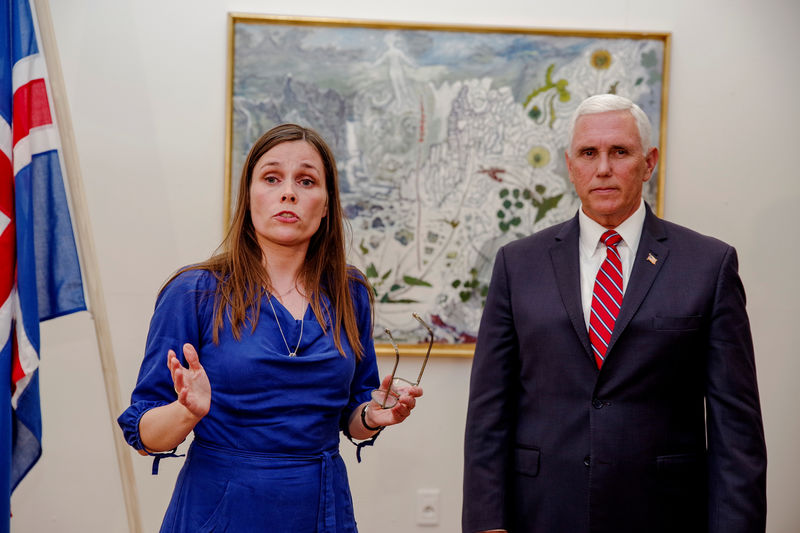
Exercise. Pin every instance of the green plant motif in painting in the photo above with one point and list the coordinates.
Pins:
(514, 201)
(390, 290)
(471, 288)
(560, 90)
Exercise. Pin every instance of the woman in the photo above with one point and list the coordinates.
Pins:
(276, 332)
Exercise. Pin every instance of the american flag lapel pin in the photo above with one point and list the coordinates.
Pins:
(652, 258)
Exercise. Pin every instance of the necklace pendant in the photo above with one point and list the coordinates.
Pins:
(299, 339)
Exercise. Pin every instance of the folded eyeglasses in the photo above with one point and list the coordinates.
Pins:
(388, 399)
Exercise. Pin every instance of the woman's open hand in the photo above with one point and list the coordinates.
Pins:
(163, 428)
(191, 384)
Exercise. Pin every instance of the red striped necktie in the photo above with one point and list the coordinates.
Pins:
(606, 297)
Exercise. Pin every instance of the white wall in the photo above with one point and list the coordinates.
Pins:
(146, 86)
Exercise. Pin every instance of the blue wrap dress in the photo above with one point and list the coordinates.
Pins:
(266, 456)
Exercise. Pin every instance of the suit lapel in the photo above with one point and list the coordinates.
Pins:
(650, 258)
(566, 265)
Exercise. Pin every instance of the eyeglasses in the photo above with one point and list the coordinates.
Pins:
(388, 399)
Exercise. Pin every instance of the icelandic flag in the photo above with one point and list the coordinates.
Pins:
(40, 274)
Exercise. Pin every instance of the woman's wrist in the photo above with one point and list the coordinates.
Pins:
(365, 423)
(186, 417)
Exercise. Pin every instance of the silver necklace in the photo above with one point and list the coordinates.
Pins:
(291, 353)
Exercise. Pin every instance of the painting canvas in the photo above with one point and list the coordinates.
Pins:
(449, 141)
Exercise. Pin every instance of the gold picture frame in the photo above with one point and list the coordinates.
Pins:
(449, 141)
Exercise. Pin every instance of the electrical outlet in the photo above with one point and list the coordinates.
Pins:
(428, 507)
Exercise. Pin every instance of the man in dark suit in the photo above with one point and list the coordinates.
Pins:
(591, 415)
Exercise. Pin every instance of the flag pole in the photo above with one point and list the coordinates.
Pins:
(88, 258)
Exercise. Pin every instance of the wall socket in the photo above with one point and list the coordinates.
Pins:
(428, 507)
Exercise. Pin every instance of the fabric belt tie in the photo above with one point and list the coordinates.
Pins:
(158, 456)
(327, 499)
(326, 513)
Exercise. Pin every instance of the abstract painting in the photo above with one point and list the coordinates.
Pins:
(449, 141)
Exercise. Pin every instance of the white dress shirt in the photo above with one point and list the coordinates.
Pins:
(592, 252)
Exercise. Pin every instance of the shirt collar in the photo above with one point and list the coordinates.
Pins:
(630, 230)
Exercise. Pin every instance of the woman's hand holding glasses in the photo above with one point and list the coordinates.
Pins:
(393, 389)
(403, 399)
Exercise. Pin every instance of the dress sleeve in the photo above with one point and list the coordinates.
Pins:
(365, 378)
(175, 322)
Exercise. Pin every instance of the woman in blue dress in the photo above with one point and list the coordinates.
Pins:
(265, 352)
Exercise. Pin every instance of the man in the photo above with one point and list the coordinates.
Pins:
(587, 414)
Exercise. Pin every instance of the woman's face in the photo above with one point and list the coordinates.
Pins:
(288, 196)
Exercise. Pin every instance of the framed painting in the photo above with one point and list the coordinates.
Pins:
(449, 142)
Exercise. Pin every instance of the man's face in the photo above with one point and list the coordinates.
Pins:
(608, 167)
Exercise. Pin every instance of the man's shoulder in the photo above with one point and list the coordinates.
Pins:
(680, 236)
(540, 240)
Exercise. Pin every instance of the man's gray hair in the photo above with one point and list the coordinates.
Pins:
(601, 103)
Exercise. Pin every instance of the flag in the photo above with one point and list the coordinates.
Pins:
(40, 274)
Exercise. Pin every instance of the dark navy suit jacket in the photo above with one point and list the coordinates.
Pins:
(666, 437)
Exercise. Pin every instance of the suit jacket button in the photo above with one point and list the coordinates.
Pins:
(597, 403)
(587, 461)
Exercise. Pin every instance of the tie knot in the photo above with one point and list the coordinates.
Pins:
(611, 238)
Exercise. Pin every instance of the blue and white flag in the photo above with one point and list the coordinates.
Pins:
(40, 274)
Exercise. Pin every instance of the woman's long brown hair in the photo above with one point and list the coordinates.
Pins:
(242, 280)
